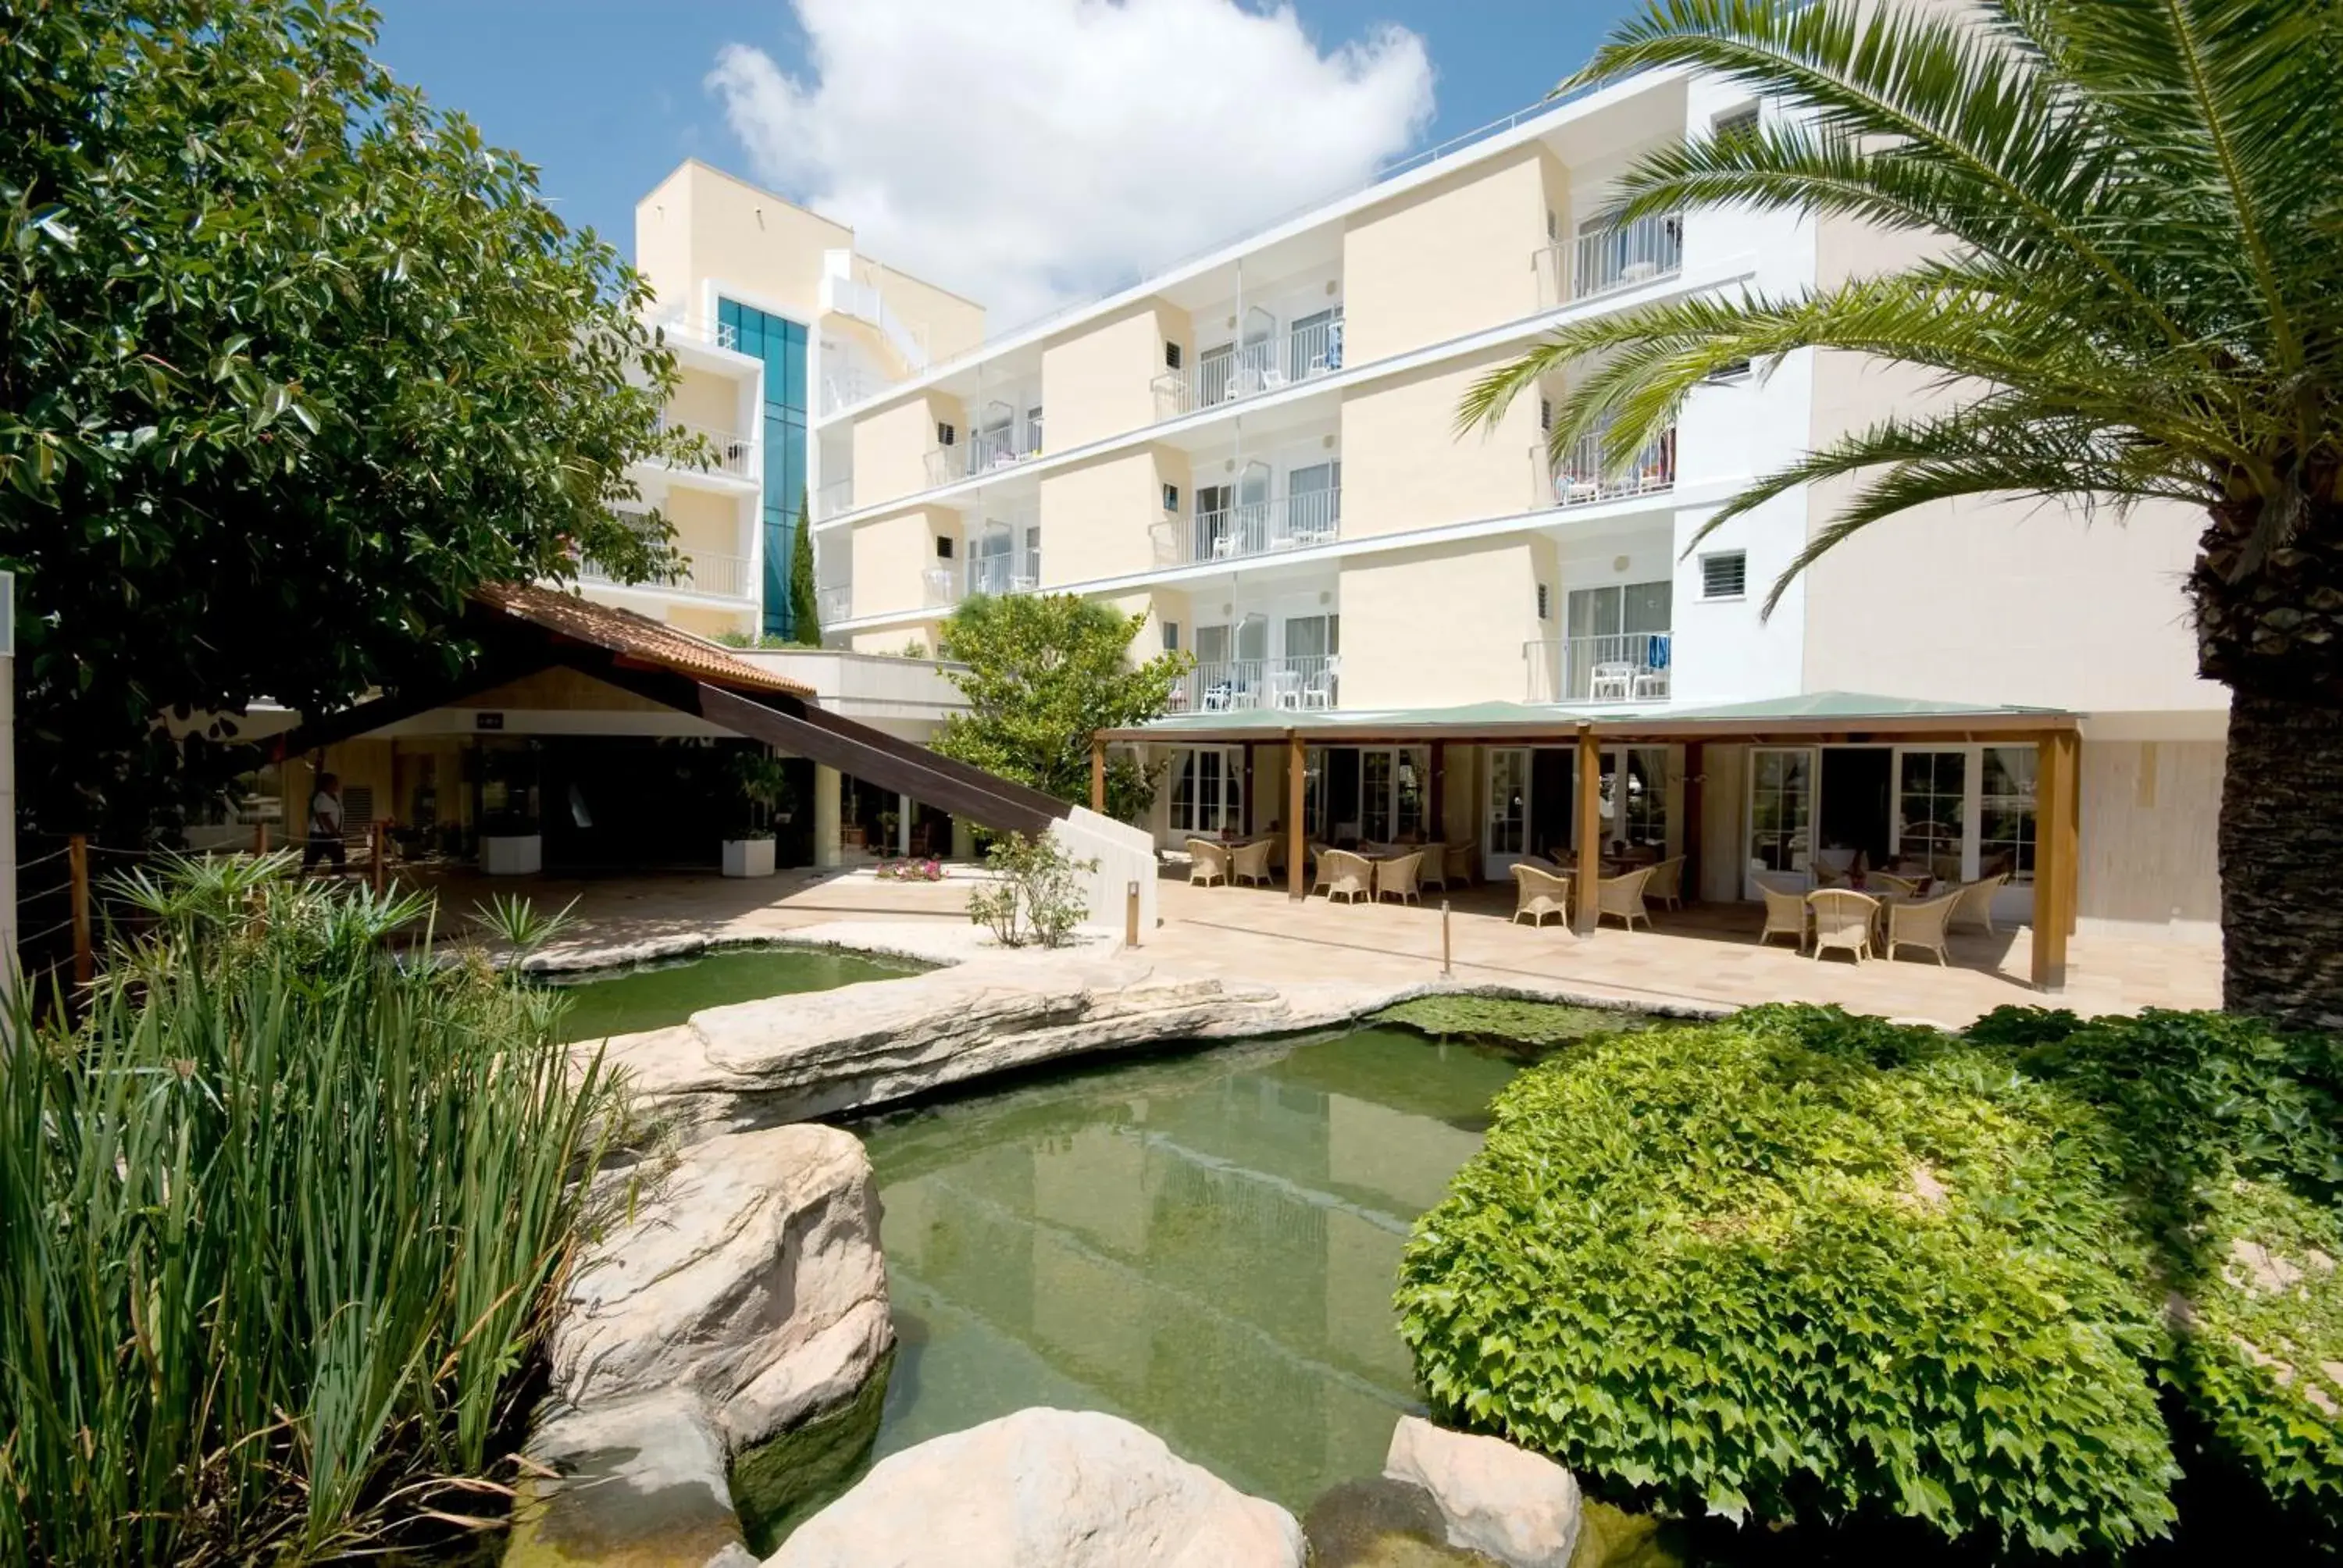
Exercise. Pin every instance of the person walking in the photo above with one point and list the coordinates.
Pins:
(325, 826)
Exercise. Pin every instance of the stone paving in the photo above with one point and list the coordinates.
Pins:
(1704, 956)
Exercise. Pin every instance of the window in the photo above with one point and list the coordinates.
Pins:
(1031, 567)
(1740, 122)
(1392, 785)
(1313, 503)
(1931, 789)
(1315, 344)
(1214, 369)
(1033, 429)
(779, 344)
(1780, 801)
(946, 436)
(1725, 575)
(1208, 790)
(1619, 647)
(2006, 823)
(943, 547)
(1171, 499)
(1545, 413)
(1731, 373)
(1170, 356)
(1170, 637)
(1545, 603)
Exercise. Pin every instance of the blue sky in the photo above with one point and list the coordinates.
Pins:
(605, 97)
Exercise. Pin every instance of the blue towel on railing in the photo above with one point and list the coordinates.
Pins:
(1655, 655)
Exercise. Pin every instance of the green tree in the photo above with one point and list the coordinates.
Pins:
(805, 601)
(2140, 276)
(289, 362)
(1044, 672)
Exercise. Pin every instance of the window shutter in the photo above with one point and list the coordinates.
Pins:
(1725, 575)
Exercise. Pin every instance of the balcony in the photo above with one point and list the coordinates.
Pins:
(1617, 667)
(1251, 528)
(835, 603)
(727, 452)
(942, 586)
(1610, 260)
(1295, 684)
(999, 574)
(834, 500)
(1259, 365)
(1580, 478)
(700, 330)
(702, 573)
(986, 452)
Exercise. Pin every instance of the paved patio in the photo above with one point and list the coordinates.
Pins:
(1706, 955)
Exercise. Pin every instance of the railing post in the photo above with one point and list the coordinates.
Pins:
(85, 959)
(1130, 914)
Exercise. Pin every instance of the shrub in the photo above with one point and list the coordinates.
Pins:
(2229, 1136)
(278, 1221)
(1524, 1028)
(1038, 896)
(1800, 1265)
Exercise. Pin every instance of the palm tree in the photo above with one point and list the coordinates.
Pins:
(2140, 284)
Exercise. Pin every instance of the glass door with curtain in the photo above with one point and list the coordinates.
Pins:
(1931, 813)
(1252, 662)
(1029, 566)
(1313, 504)
(1505, 822)
(1619, 642)
(992, 562)
(1781, 814)
(1215, 374)
(1213, 538)
(1250, 529)
(1638, 818)
(1256, 354)
(1214, 678)
(1306, 673)
(1208, 790)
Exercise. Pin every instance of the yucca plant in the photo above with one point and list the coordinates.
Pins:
(2139, 287)
(279, 1220)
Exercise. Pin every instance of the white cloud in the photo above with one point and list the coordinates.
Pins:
(1026, 152)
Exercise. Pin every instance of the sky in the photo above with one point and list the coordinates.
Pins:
(1026, 153)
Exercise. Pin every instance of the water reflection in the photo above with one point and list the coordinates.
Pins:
(1207, 1246)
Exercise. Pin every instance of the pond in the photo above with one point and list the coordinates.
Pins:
(659, 995)
(1205, 1245)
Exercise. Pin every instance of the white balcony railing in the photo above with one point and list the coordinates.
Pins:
(699, 329)
(1627, 257)
(1254, 527)
(1580, 477)
(727, 452)
(833, 499)
(1617, 667)
(1250, 369)
(942, 586)
(700, 572)
(1297, 683)
(835, 603)
(982, 454)
(998, 575)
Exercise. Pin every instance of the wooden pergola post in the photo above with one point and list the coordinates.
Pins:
(1436, 823)
(2055, 849)
(2074, 770)
(1589, 783)
(1297, 884)
(1098, 775)
(1694, 778)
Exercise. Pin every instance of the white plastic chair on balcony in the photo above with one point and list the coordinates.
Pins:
(1612, 681)
(1219, 697)
(1318, 692)
(1285, 689)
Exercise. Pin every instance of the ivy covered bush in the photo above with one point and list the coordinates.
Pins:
(1800, 1266)
(1797, 1265)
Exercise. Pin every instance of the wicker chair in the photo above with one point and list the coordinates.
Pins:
(1620, 898)
(1666, 885)
(1463, 862)
(1786, 915)
(1920, 926)
(1889, 882)
(1539, 893)
(1250, 862)
(1976, 904)
(1318, 853)
(1347, 876)
(1435, 873)
(1844, 919)
(1397, 877)
(1208, 862)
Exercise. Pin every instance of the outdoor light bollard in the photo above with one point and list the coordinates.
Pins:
(1446, 969)
(1131, 916)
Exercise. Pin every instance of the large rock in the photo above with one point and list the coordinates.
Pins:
(1044, 1489)
(1505, 1503)
(751, 1279)
(743, 1304)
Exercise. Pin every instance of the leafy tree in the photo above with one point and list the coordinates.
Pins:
(805, 602)
(1044, 672)
(2141, 278)
(289, 362)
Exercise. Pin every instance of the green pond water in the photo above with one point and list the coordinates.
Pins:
(655, 996)
(1207, 1245)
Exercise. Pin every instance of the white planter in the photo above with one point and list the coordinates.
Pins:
(512, 855)
(747, 857)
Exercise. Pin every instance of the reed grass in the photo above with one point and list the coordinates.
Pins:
(279, 1220)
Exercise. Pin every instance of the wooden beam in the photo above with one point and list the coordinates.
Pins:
(1297, 884)
(1588, 781)
(1251, 812)
(2054, 852)
(1437, 826)
(1694, 760)
(2072, 742)
(1098, 777)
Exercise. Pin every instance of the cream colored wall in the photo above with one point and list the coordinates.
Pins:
(1435, 627)
(891, 557)
(700, 620)
(1986, 600)
(704, 398)
(2149, 852)
(1449, 258)
(700, 223)
(1096, 517)
(1101, 381)
(952, 325)
(1404, 467)
(891, 447)
(704, 520)
(1724, 834)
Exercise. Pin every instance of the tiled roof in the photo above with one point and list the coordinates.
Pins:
(630, 636)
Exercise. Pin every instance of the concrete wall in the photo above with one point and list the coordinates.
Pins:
(1094, 516)
(1431, 627)
(2150, 819)
(1448, 258)
(1124, 854)
(1404, 467)
(1099, 381)
(891, 447)
(701, 224)
(891, 558)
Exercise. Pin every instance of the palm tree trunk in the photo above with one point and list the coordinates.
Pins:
(2282, 860)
